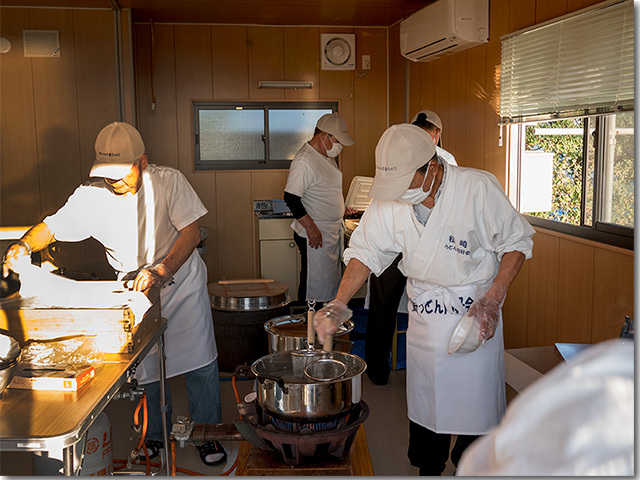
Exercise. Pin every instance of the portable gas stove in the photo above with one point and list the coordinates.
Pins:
(296, 441)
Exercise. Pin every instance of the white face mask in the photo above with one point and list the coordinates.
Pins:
(335, 149)
(413, 196)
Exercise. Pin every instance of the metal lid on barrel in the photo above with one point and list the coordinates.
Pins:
(248, 294)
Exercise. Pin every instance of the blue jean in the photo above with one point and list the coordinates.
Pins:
(203, 393)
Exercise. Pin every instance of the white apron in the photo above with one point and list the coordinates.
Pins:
(189, 338)
(324, 267)
(450, 393)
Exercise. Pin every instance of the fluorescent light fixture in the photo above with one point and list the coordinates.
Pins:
(283, 84)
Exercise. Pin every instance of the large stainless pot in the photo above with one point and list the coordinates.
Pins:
(289, 332)
(285, 392)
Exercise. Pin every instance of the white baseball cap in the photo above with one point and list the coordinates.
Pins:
(401, 150)
(431, 117)
(334, 124)
(118, 146)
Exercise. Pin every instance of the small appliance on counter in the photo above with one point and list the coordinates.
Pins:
(274, 208)
(358, 198)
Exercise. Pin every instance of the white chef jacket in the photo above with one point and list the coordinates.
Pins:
(449, 263)
(318, 181)
(577, 419)
(449, 158)
(138, 231)
(471, 226)
(446, 156)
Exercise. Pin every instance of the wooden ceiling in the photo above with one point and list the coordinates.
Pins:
(356, 13)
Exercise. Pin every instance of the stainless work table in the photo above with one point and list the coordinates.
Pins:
(32, 420)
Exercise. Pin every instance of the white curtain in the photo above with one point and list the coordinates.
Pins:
(579, 64)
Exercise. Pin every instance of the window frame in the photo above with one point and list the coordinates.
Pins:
(267, 164)
(607, 233)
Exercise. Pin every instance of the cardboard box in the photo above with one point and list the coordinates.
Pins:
(52, 377)
(523, 366)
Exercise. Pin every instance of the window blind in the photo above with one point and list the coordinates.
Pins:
(580, 64)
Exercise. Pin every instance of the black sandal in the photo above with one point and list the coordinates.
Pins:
(153, 449)
(212, 448)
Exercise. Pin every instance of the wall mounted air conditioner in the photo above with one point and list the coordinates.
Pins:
(444, 27)
(337, 51)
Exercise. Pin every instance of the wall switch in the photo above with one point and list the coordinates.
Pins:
(366, 62)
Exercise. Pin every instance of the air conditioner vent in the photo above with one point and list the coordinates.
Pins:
(427, 46)
(41, 43)
(435, 54)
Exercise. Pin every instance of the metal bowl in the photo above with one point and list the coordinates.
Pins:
(8, 362)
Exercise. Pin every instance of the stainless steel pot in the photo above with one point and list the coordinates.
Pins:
(295, 396)
(289, 332)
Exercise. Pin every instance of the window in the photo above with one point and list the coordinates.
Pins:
(253, 135)
(576, 175)
(567, 95)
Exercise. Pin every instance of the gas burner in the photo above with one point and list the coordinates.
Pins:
(296, 441)
(302, 427)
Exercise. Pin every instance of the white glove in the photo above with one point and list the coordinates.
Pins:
(487, 313)
(16, 255)
(158, 275)
(330, 317)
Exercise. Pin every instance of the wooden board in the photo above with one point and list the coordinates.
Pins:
(253, 461)
(115, 328)
(248, 288)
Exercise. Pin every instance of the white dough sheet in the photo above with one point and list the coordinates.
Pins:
(42, 289)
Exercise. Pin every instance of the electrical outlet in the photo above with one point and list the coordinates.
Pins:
(366, 62)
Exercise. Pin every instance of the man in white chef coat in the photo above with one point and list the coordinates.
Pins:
(386, 290)
(146, 216)
(462, 245)
(313, 193)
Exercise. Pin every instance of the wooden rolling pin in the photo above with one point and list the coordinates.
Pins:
(250, 280)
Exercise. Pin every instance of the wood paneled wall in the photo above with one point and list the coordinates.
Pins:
(220, 62)
(52, 108)
(50, 112)
(571, 290)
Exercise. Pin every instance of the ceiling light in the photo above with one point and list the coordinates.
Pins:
(284, 84)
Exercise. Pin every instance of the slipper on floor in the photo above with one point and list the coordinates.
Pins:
(212, 453)
(153, 448)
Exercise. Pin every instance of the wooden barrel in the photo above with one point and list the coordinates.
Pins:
(240, 309)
